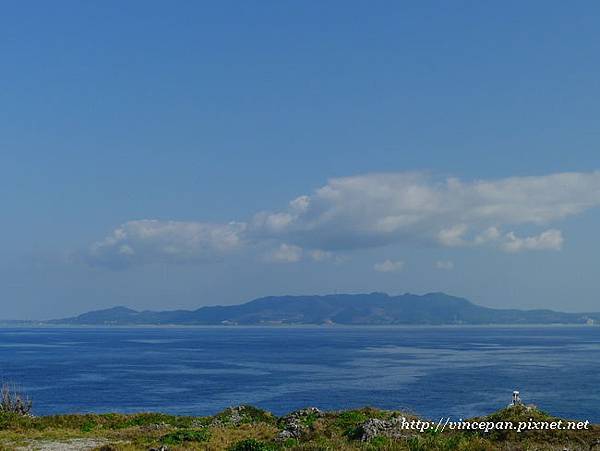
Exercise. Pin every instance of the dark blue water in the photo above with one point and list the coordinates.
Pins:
(433, 371)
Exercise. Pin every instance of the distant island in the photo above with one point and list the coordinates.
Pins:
(344, 309)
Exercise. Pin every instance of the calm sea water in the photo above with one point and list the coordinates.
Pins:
(433, 371)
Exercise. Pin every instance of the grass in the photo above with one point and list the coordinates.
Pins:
(248, 428)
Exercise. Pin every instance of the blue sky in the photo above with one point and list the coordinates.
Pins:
(427, 137)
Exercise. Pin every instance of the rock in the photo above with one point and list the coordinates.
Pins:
(298, 423)
(374, 427)
(234, 416)
(303, 414)
(287, 434)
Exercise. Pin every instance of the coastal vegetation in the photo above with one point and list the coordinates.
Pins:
(247, 428)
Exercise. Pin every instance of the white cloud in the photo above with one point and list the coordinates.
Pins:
(378, 209)
(373, 210)
(453, 236)
(153, 241)
(548, 240)
(444, 264)
(319, 255)
(389, 266)
(285, 253)
(489, 235)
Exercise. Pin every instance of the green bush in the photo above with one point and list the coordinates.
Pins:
(179, 437)
(251, 444)
(309, 419)
(349, 422)
(88, 426)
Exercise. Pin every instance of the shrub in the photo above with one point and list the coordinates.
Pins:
(88, 426)
(251, 444)
(349, 422)
(244, 414)
(14, 402)
(179, 437)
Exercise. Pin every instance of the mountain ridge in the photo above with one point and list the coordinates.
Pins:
(346, 309)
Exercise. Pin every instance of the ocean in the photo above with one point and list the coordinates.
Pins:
(432, 371)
